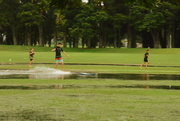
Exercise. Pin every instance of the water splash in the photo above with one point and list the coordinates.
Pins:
(43, 69)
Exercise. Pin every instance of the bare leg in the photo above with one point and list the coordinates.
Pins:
(141, 65)
(30, 63)
(56, 65)
(62, 66)
(147, 65)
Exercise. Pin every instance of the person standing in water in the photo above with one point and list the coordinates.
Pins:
(58, 56)
(31, 56)
(146, 59)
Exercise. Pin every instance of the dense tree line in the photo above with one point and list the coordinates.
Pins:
(97, 23)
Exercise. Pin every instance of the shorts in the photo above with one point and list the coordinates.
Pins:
(146, 60)
(59, 60)
(30, 58)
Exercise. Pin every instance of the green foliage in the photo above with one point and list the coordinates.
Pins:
(60, 19)
(62, 4)
(3, 20)
(146, 3)
(43, 5)
(154, 18)
(29, 14)
(8, 11)
(152, 21)
(102, 22)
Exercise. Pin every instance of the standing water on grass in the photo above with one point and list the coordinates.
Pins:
(41, 72)
(46, 70)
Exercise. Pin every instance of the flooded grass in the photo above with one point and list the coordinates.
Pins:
(89, 100)
(51, 73)
(49, 95)
(74, 86)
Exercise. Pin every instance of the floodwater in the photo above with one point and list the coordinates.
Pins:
(50, 73)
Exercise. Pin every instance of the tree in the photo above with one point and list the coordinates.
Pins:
(29, 16)
(43, 6)
(9, 11)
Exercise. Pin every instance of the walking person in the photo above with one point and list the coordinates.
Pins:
(58, 56)
(31, 56)
(146, 59)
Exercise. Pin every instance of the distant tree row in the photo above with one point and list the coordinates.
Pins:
(97, 23)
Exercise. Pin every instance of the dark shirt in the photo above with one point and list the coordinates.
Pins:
(31, 53)
(146, 55)
(58, 51)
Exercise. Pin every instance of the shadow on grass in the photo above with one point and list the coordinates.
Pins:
(27, 115)
(39, 87)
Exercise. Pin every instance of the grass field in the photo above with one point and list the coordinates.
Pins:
(90, 99)
(159, 57)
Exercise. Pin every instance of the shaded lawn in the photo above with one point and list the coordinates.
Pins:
(90, 104)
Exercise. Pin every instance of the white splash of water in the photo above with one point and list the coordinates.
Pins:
(39, 70)
(43, 69)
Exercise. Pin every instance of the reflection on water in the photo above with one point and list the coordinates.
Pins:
(50, 73)
(140, 76)
(91, 76)
(75, 86)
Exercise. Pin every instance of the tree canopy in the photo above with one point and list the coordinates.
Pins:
(97, 23)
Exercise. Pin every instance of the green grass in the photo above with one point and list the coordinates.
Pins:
(158, 57)
(94, 50)
(90, 99)
(100, 58)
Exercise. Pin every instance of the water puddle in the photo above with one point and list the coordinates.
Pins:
(51, 73)
(74, 86)
(36, 73)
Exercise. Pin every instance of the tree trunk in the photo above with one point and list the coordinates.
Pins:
(49, 41)
(147, 39)
(100, 41)
(55, 38)
(1, 38)
(129, 35)
(176, 36)
(115, 42)
(70, 43)
(155, 36)
(133, 43)
(83, 42)
(168, 39)
(14, 35)
(88, 43)
(119, 39)
(115, 38)
(65, 38)
(29, 36)
(41, 34)
(75, 43)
